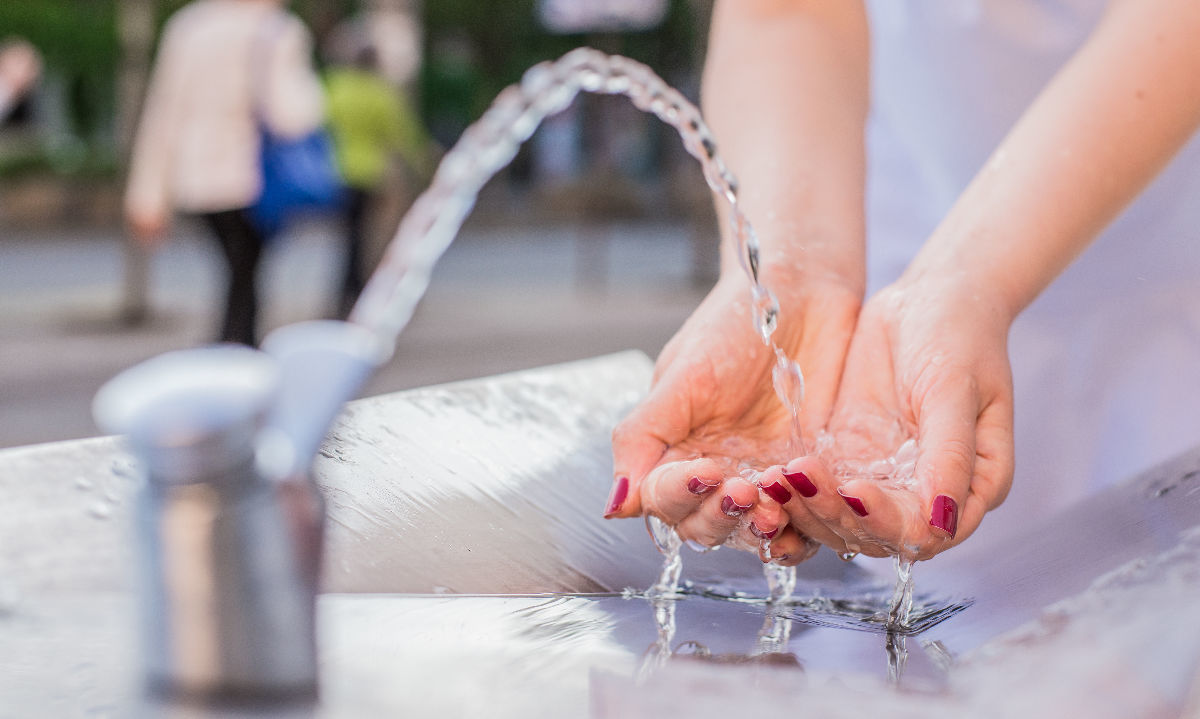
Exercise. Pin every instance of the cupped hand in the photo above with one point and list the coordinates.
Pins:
(928, 362)
(697, 449)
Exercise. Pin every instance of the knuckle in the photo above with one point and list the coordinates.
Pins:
(622, 432)
(956, 459)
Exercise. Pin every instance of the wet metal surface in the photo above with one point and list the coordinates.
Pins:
(495, 487)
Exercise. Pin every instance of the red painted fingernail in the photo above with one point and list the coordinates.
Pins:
(855, 503)
(761, 534)
(697, 485)
(777, 492)
(620, 491)
(944, 514)
(802, 484)
(730, 507)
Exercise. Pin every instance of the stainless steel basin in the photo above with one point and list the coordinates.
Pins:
(468, 573)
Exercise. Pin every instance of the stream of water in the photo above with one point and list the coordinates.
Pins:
(394, 290)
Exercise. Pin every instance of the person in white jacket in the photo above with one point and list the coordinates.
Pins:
(222, 67)
(949, 161)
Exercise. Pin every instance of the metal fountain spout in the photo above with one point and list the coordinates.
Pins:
(229, 523)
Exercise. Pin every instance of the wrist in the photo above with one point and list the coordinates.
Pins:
(988, 299)
(804, 270)
(977, 263)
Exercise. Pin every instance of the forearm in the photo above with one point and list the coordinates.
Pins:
(1098, 133)
(786, 94)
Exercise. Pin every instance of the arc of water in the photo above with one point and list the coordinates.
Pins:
(487, 146)
(395, 289)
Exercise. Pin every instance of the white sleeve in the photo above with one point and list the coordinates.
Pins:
(293, 100)
(148, 190)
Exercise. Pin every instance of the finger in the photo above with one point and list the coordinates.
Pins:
(888, 518)
(826, 511)
(994, 466)
(994, 458)
(719, 514)
(767, 518)
(919, 523)
(784, 498)
(640, 440)
(674, 490)
(947, 417)
(788, 548)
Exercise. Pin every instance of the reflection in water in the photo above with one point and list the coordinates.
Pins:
(897, 655)
(775, 633)
(770, 646)
(863, 612)
(660, 651)
(867, 611)
(892, 615)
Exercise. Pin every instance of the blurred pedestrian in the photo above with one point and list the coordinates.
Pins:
(223, 68)
(20, 66)
(371, 122)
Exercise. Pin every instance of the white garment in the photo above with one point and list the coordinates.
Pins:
(197, 145)
(1106, 363)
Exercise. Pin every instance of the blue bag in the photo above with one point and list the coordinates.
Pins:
(299, 174)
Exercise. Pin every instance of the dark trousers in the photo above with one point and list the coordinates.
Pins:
(357, 202)
(242, 244)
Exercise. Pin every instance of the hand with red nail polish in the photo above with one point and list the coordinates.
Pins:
(712, 409)
(712, 395)
(928, 361)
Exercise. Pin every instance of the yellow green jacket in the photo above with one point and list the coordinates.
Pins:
(370, 120)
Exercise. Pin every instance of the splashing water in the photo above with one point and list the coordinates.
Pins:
(394, 290)
(900, 606)
(895, 645)
(668, 542)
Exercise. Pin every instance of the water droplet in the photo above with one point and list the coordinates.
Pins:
(82, 483)
(752, 258)
(100, 510)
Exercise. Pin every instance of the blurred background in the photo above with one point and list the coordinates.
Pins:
(599, 237)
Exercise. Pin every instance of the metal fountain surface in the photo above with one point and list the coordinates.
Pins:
(467, 571)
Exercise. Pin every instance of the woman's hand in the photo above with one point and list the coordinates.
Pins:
(928, 361)
(148, 229)
(695, 450)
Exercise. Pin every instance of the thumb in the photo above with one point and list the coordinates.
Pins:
(946, 437)
(642, 439)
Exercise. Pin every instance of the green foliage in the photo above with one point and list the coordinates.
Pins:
(79, 46)
(74, 36)
(474, 49)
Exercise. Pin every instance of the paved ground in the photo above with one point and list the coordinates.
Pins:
(502, 299)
